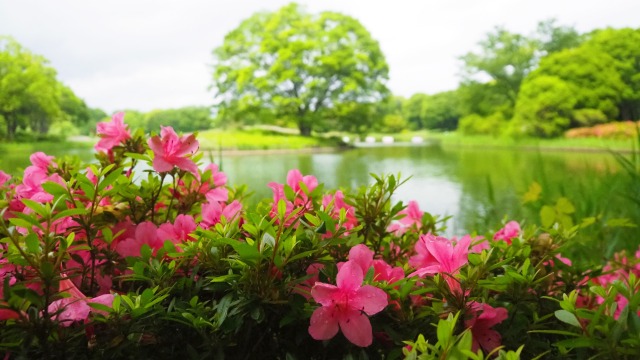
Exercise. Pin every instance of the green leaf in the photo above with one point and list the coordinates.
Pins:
(142, 157)
(580, 343)
(267, 239)
(223, 307)
(533, 194)
(54, 188)
(547, 216)
(282, 209)
(623, 222)
(69, 212)
(565, 206)
(110, 179)
(33, 243)
(247, 253)
(567, 317)
(37, 207)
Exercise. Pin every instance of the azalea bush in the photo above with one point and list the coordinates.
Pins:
(149, 253)
(612, 130)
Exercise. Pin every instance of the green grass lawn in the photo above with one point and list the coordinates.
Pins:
(260, 140)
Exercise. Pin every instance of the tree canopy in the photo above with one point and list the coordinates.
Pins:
(298, 66)
(30, 94)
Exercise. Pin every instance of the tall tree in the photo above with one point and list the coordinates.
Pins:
(544, 107)
(595, 83)
(441, 111)
(29, 91)
(491, 78)
(622, 46)
(506, 58)
(298, 66)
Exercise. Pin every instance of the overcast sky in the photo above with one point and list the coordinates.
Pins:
(148, 54)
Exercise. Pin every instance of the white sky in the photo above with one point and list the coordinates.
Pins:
(153, 54)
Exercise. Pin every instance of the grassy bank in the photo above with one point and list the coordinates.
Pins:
(579, 144)
(453, 139)
(257, 139)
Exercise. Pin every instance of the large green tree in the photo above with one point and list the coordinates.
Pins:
(30, 94)
(623, 46)
(544, 108)
(595, 83)
(298, 66)
(29, 91)
(505, 58)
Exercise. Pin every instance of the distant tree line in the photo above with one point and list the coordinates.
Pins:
(324, 72)
(187, 119)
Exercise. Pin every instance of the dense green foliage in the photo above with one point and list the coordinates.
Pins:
(298, 67)
(538, 85)
(544, 87)
(31, 97)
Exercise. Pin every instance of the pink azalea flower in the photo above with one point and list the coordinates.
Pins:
(76, 307)
(178, 232)
(346, 306)
(337, 203)
(508, 232)
(31, 186)
(362, 256)
(112, 133)
(412, 218)
(483, 318)
(213, 212)
(386, 272)
(171, 150)
(219, 194)
(4, 177)
(6, 314)
(218, 177)
(478, 244)
(294, 180)
(146, 233)
(437, 254)
(41, 160)
(304, 288)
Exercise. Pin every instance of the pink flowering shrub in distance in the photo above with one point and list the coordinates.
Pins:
(149, 253)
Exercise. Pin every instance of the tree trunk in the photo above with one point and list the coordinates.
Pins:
(305, 128)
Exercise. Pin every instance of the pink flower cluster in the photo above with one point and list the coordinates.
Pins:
(412, 220)
(170, 150)
(301, 186)
(618, 269)
(112, 133)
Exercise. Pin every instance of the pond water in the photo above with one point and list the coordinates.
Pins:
(477, 186)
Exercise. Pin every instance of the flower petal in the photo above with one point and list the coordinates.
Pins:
(350, 276)
(356, 327)
(161, 165)
(323, 325)
(324, 293)
(361, 255)
(369, 299)
(488, 339)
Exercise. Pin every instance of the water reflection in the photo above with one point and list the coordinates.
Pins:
(478, 187)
